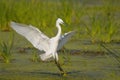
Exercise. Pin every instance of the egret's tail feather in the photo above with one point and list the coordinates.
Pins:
(46, 57)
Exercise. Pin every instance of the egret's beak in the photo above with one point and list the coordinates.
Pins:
(62, 22)
(65, 24)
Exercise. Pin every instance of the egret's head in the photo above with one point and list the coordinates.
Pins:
(59, 21)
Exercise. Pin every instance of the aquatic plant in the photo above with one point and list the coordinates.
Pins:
(5, 49)
(42, 13)
(35, 57)
(101, 28)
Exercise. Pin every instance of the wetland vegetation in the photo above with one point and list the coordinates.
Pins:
(93, 53)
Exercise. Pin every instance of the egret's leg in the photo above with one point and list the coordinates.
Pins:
(59, 67)
(56, 57)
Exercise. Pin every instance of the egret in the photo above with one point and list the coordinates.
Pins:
(39, 40)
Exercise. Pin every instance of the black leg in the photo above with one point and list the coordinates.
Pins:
(60, 68)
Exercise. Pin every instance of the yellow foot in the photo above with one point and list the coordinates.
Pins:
(64, 74)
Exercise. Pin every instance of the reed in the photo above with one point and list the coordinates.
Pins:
(5, 49)
(43, 15)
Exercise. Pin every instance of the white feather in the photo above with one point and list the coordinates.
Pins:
(32, 34)
(64, 38)
(41, 41)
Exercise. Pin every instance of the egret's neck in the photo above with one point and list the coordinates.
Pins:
(59, 30)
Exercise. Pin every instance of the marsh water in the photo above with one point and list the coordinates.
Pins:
(80, 59)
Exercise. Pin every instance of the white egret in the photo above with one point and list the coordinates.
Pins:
(40, 41)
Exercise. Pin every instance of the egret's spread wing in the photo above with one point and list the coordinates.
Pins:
(32, 34)
(64, 38)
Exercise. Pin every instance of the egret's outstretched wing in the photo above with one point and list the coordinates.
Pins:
(32, 34)
(64, 38)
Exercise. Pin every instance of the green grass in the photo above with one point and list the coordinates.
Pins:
(5, 49)
(101, 17)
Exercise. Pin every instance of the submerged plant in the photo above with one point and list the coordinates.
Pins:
(35, 57)
(5, 49)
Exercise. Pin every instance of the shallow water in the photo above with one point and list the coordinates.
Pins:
(82, 61)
